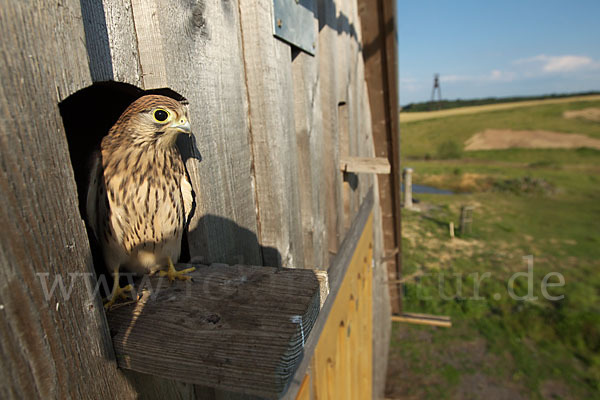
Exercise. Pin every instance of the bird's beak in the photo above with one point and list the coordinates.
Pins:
(183, 125)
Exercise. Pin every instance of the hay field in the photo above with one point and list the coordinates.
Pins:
(419, 116)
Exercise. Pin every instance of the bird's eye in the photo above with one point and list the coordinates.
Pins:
(161, 115)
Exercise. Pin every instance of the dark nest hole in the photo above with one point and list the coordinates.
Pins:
(87, 116)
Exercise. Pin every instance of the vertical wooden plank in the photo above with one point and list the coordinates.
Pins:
(349, 89)
(202, 52)
(328, 73)
(150, 44)
(342, 385)
(111, 41)
(365, 137)
(343, 91)
(304, 391)
(352, 343)
(345, 151)
(367, 327)
(273, 139)
(361, 139)
(51, 345)
(309, 139)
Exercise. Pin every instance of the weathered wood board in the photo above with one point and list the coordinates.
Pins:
(51, 345)
(328, 75)
(111, 41)
(240, 328)
(365, 165)
(272, 136)
(309, 141)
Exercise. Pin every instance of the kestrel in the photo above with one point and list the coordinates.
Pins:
(139, 198)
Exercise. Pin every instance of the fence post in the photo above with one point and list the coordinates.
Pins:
(407, 180)
(466, 219)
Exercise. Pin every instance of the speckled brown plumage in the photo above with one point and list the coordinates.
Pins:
(139, 198)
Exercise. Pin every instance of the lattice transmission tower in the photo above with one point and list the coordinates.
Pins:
(436, 85)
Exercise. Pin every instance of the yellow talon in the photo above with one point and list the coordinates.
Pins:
(117, 292)
(173, 274)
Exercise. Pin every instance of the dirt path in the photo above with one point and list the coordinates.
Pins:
(418, 116)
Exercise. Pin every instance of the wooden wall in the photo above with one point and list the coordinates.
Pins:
(270, 124)
(49, 348)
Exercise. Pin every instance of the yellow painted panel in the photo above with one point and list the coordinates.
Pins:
(342, 361)
(304, 391)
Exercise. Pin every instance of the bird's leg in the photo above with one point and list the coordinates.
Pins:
(173, 274)
(117, 291)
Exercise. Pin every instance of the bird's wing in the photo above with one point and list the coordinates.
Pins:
(188, 197)
(92, 200)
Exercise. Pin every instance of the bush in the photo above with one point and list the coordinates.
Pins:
(449, 150)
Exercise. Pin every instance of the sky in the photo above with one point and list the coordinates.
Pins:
(493, 48)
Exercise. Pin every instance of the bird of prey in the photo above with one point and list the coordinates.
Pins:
(139, 198)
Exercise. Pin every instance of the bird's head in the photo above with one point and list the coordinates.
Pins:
(153, 119)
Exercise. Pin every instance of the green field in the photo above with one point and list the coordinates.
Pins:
(537, 203)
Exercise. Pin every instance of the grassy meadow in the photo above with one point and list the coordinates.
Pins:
(536, 210)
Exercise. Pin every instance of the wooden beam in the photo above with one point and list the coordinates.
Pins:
(378, 27)
(365, 165)
(430, 316)
(240, 328)
(423, 319)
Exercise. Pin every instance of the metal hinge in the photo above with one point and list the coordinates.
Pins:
(294, 23)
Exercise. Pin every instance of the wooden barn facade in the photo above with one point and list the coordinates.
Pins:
(295, 167)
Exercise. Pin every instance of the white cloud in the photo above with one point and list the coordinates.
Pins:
(559, 64)
(528, 68)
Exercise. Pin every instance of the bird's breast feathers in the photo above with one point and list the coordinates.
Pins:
(147, 212)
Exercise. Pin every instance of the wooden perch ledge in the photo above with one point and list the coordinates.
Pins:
(366, 165)
(239, 327)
